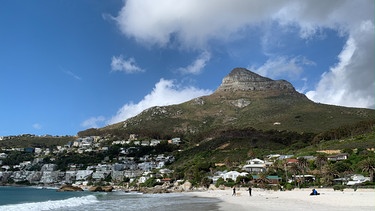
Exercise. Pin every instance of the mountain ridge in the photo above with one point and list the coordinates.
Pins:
(243, 100)
(243, 79)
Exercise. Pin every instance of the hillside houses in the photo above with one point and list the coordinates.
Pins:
(112, 160)
(38, 171)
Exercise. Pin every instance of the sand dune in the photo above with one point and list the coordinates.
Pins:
(299, 199)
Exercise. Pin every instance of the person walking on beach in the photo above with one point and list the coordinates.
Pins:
(250, 190)
(234, 191)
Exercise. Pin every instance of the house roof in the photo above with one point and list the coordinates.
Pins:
(271, 177)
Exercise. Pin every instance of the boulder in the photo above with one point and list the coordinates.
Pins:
(65, 188)
(107, 188)
(186, 186)
(95, 189)
(101, 189)
(212, 187)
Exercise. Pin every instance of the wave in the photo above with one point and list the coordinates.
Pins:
(49, 205)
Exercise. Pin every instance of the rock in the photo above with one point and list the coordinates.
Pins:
(212, 187)
(186, 186)
(245, 80)
(154, 190)
(107, 188)
(101, 189)
(95, 189)
(241, 103)
(65, 188)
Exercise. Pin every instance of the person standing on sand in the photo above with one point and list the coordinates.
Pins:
(234, 191)
(250, 190)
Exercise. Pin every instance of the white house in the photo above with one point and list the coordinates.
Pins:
(338, 157)
(3, 155)
(83, 174)
(100, 174)
(357, 179)
(255, 166)
(233, 175)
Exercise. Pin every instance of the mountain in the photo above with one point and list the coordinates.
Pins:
(244, 100)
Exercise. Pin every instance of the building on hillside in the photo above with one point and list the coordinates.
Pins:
(176, 141)
(357, 179)
(290, 161)
(255, 166)
(308, 157)
(3, 155)
(306, 177)
(283, 157)
(338, 157)
(269, 179)
(233, 175)
(83, 174)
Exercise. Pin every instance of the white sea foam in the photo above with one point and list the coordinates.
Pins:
(49, 205)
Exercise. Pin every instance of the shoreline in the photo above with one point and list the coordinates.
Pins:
(298, 199)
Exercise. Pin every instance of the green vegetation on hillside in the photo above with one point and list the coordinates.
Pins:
(23, 141)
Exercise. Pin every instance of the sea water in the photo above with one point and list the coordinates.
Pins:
(31, 198)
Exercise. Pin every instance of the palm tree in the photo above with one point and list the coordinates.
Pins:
(262, 180)
(343, 168)
(320, 161)
(368, 165)
(295, 169)
(276, 167)
(329, 172)
(302, 163)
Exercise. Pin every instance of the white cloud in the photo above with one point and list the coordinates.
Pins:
(351, 81)
(165, 92)
(191, 22)
(194, 23)
(125, 65)
(71, 74)
(93, 122)
(282, 66)
(37, 126)
(197, 66)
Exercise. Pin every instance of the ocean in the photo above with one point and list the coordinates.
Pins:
(35, 199)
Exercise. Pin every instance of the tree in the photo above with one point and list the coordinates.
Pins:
(276, 167)
(343, 168)
(243, 180)
(329, 173)
(251, 153)
(205, 182)
(295, 169)
(320, 161)
(368, 165)
(302, 164)
(262, 180)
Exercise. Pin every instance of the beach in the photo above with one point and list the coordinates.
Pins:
(298, 199)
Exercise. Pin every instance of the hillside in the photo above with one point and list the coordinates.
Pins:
(244, 100)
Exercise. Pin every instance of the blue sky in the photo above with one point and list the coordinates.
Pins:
(66, 66)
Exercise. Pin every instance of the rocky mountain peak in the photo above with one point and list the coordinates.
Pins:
(241, 79)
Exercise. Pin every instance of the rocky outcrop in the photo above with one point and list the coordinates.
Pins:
(101, 189)
(154, 190)
(65, 188)
(241, 103)
(241, 79)
(186, 186)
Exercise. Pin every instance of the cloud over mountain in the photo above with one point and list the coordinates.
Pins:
(195, 24)
(165, 92)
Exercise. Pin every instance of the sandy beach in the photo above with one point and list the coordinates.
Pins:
(299, 199)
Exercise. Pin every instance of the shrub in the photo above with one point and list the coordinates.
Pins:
(219, 182)
(339, 187)
(289, 186)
